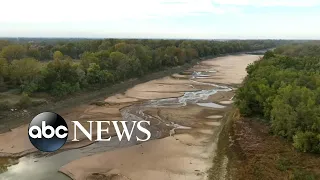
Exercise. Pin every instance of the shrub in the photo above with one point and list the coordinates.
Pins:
(61, 89)
(299, 174)
(29, 88)
(269, 54)
(307, 141)
(283, 164)
(24, 101)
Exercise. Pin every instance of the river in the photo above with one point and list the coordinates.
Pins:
(46, 165)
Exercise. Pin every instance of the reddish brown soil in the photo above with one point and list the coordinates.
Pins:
(257, 154)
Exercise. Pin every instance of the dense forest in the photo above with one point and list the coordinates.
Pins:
(64, 67)
(283, 88)
(60, 67)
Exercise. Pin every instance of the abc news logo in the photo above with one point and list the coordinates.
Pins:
(48, 131)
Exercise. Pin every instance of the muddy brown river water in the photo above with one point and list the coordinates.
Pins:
(186, 113)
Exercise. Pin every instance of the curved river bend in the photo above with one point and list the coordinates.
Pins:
(46, 165)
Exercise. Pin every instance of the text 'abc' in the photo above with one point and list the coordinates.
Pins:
(48, 131)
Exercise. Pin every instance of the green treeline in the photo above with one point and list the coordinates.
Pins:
(300, 50)
(284, 88)
(64, 67)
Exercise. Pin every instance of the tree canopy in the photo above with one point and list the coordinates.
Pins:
(64, 66)
(284, 88)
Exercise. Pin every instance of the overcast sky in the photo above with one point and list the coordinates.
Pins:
(201, 19)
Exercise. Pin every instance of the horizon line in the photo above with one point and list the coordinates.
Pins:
(153, 38)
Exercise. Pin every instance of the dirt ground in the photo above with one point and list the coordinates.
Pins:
(254, 153)
(260, 155)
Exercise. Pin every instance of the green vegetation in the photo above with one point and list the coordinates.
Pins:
(284, 88)
(300, 50)
(64, 67)
(284, 164)
(300, 174)
(102, 62)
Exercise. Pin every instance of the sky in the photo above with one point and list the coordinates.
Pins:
(194, 19)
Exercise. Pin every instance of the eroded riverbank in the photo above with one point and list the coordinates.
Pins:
(195, 99)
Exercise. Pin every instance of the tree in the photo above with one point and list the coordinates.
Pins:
(3, 70)
(3, 43)
(87, 58)
(181, 55)
(115, 59)
(24, 71)
(111, 60)
(143, 59)
(45, 54)
(14, 51)
(285, 90)
(103, 58)
(307, 141)
(284, 119)
(124, 69)
(170, 57)
(124, 47)
(57, 55)
(191, 54)
(97, 76)
(136, 68)
(62, 77)
(269, 54)
(3, 67)
(105, 45)
(33, 53)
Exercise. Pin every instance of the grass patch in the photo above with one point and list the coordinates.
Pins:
(300, 174)
(283, 164)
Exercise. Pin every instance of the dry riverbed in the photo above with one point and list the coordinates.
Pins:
(183, 153)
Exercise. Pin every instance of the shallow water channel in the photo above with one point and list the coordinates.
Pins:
(45, 166)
